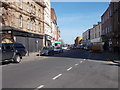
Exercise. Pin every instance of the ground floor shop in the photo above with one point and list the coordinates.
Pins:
(48, 40)
(112, 43)
(33, 42)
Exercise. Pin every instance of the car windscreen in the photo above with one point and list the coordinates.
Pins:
(45, 48)
(18, 46)
(58, 48)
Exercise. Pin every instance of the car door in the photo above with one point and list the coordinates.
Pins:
(9, 52)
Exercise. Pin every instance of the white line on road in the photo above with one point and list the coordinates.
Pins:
(57, 76)
(41, 86)
(84, 59)
(81, 61)
(69, 69)
(76, 64)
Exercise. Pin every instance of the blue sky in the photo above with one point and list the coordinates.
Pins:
(74, 18)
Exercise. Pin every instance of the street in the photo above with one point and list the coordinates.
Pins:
(71, 69)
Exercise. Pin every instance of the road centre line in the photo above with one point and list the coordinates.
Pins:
(76, 64)
(41, 86)
(57, 76)
(69, 69)
(81, 61)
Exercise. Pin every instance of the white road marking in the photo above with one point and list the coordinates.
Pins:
(57, 76)
(84, 59)
(76, 64)
(69, 69)
(41, 86)
(81, 61)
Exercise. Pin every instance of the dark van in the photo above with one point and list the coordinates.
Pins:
(12, 52)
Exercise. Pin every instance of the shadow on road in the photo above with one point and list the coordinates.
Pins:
(83, 54)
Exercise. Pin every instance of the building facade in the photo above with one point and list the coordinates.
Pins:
(23, 22)
(47, 24)
(95, 34)
(111, 27)
(86, 37)
(54, 26)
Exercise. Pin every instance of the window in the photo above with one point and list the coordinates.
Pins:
(28, 22)
(39, 12)
(31, 7)
(28, 7)
(20, 21)
(30, 25)
(20, 3)
(39, 27)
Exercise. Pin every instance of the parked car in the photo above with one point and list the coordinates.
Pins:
(78, 46)
(58, 50)
(12, 52)
(47, 51)
(73, 47)
(88, 47)
(64, 47)
(96, 48)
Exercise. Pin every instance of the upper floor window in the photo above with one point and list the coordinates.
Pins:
(20, 21)
(28, 24)
(39, 12)
(20, 3)
(28, 7)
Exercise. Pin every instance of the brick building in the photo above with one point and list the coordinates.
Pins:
(111, 27)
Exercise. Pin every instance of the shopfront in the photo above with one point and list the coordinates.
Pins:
(57, 43)
(48, 40)
(33, 42)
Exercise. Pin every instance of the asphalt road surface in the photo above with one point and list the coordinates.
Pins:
(71, 69)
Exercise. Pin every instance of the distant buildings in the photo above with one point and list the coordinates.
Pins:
(56, 39)
(29, 23)
(95, 33)
(92, 35)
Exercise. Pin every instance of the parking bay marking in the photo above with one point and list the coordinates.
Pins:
(57, 76)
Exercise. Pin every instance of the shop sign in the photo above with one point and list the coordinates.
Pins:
(57, 41)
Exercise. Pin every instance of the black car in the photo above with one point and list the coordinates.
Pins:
(47, 51)
(12, 52)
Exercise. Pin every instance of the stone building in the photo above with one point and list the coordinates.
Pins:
(95, 33)
(86, 37)
(54, 26)
(23, 22)
(92, 35)
(47, 24)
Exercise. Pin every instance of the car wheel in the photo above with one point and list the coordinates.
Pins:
(17, 59)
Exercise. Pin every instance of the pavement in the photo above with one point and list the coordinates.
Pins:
(71, 69)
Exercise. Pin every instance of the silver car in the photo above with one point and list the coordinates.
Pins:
(47, 51)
